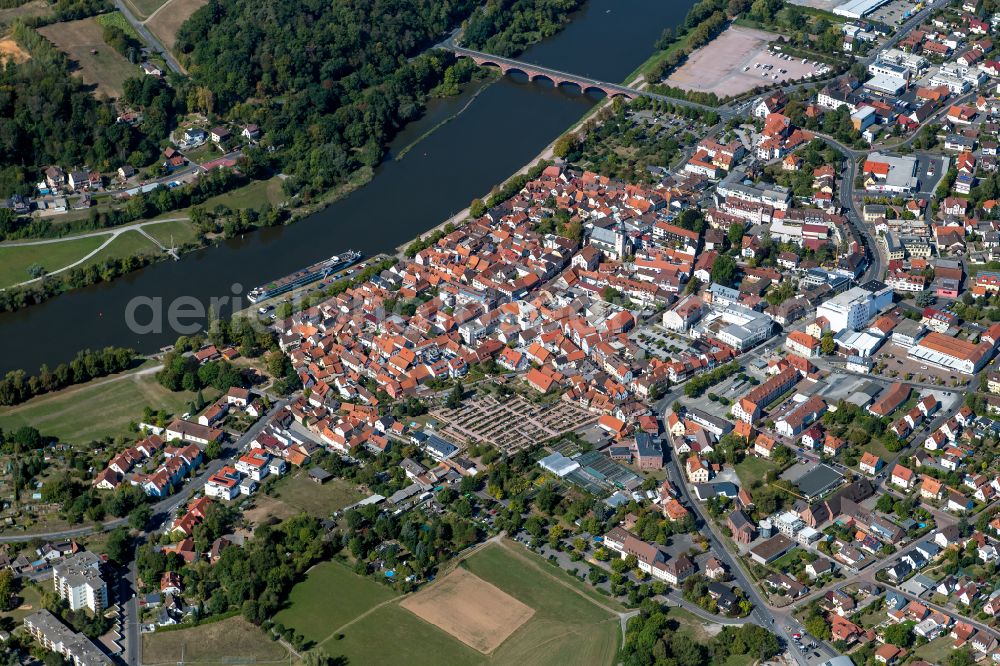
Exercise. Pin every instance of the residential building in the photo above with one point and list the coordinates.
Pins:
(79, 582)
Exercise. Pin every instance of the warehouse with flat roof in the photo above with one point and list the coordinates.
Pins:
(858, 8)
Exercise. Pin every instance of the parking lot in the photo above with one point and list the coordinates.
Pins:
(899, 366)
(892, 13)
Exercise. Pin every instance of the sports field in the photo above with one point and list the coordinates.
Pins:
(230, 641)
(98, 64)
(475, 612)
(566, 625)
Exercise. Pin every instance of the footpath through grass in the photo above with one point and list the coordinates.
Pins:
(15, 260)
(311, 611)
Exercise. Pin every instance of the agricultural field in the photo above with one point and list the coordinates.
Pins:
(553, 619)
(69, 414)
(97, 64)
(301, 493)
(166, 23)
(118, 20)
(15, 260)
(229, 641)
(309, 610)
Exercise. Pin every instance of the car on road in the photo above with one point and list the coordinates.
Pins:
(930, 169)
(797, 636)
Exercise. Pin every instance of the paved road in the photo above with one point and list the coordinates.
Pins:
(149, 38)
(854, 215)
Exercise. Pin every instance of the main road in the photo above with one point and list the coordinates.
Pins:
(763, 613)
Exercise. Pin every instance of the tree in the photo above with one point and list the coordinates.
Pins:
(454, 399)
(213, 451)
(6, 589)
(564, 145)
(818, 627)
(119, 546)
(724, 270)
(827, 344)
(477, 208)
(900, 634)
(140, 516)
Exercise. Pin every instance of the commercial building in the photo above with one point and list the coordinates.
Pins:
(775, 196)
(886, 173)
(78, 581)
(853, 308)
(55, 636)
(887, 77)
(742, 327)
(952, 353)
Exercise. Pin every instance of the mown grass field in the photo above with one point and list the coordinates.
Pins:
(14, 261)
(301, 493)
(128, 243)
(310, 611)
(166, 23)
(752, 468)
(103, 407)
(98, 64)
(230, 641)
(179, 232)
(31, 601)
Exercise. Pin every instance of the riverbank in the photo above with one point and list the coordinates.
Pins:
(547, 154)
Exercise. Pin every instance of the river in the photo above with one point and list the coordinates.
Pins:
(502, 129)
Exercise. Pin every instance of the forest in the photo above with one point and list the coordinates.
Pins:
(48, 117)
(321, 79)
(506, 28)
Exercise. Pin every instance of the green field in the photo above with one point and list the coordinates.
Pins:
(14, 261)
(128, 243)
(309, 609)
(230, 641)
(302, 494)
(936, 651)
(103, 407)
(31, 601)
(254, 195)
(568, 626)
(178, 232)
(118, 20)
(752, 468)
